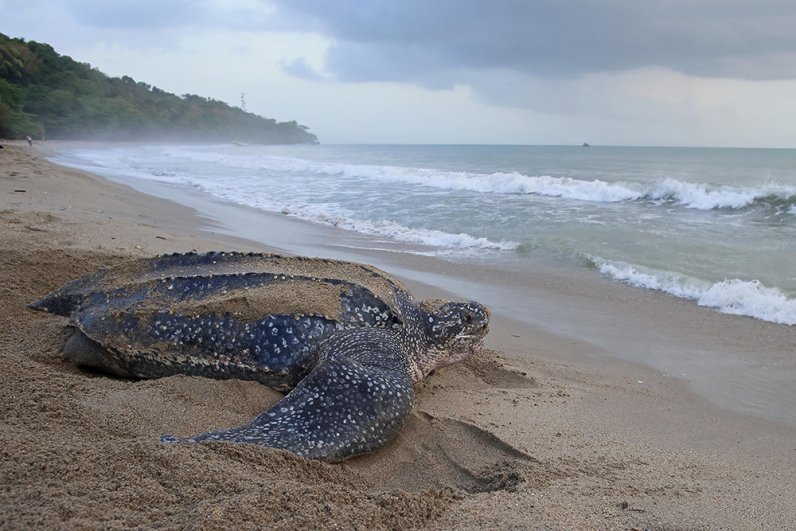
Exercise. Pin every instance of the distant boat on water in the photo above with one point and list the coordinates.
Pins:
(585, 144)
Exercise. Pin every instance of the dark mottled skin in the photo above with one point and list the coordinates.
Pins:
(350, 359)
(276, 350)
(353, 401)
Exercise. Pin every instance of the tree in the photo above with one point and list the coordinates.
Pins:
(41, 89)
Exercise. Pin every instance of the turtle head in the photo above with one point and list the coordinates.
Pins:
(454, 330)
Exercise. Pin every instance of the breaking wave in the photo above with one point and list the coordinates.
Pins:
(395, 231)
(698, 196)
(335, 216)
(237, 191)
(734, 296)
(707, 197)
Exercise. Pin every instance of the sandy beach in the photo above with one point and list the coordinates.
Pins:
(549, 427)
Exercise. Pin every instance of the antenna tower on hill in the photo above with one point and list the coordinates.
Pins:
(243, 101)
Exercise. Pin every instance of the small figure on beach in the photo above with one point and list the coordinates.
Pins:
(29, 139)
(346, 340)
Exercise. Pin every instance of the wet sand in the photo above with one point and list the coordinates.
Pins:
(547, 428)
(742, 364)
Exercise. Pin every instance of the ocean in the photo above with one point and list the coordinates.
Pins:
(714, 226)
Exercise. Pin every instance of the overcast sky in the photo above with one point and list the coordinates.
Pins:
(618, 72)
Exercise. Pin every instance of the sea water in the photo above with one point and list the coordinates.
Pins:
(716, 226)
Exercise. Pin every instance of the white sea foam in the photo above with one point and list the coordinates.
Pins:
(337, 217)
(739, 297)
(400, 204)
(241, 192)
(698, 196)
(750, 298)
(658, 280)
(706, 197)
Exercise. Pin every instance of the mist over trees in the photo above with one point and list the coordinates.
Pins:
(45, 93)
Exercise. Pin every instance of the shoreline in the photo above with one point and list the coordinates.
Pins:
(739, 363)
(554, 430)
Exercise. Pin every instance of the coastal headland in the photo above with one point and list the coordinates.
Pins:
(543, 429)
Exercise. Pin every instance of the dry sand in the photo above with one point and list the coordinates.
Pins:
(509, 439)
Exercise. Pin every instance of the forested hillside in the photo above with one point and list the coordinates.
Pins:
(44, 93)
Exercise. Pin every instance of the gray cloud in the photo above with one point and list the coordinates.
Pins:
(300, 68)
(428, 42)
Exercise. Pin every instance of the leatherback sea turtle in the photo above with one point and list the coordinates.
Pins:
(348, 339)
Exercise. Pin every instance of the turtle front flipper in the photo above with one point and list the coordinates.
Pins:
(354, 401)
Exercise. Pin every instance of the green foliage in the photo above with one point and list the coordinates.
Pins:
(41, 90)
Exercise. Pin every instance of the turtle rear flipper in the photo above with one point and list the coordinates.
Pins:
(85, 352)
(355, 400)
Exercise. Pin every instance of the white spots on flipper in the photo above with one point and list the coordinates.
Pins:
(355, 400)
